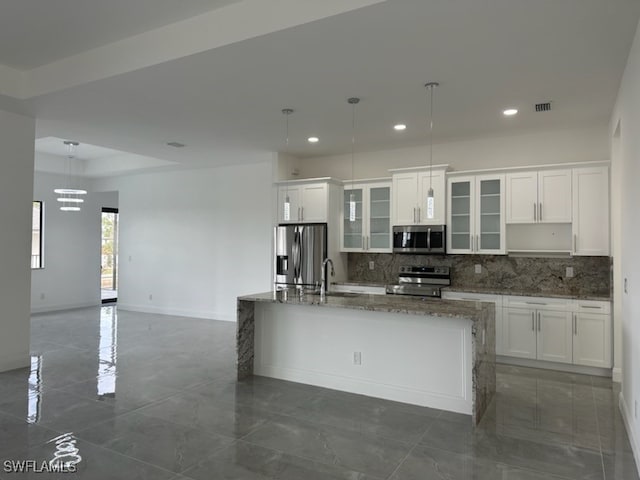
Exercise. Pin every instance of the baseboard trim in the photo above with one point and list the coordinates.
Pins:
(563, 367)
(179, 312)
(616, 375)
(622, 404)
(68, 306)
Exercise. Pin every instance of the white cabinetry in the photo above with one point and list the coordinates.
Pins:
(539, 197)
(410, 187)
(592, 334)
(481, 297)
(308, 202)
(590, 226)
(476, 214)
(371, 230)
(538, 329)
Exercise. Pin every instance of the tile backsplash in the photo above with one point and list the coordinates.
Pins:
(591, 275)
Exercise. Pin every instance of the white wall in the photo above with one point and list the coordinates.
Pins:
(71, 274)
(562, 146)
(194, 240)
(17, 138)
(627, 170)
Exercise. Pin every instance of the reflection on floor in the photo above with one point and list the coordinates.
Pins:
(108, 295)
(115, 394)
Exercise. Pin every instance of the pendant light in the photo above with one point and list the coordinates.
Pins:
(353, 101)
(287, 200)
(70, 198)
(430, 198)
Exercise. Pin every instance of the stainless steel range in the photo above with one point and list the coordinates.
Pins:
(421, 281)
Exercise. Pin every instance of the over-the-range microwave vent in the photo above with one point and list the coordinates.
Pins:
(543, 107)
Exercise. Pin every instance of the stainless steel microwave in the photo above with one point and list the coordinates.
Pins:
(421, 239)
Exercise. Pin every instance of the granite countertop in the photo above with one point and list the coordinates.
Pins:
(528, 293)
(378, 303)
(501, 291)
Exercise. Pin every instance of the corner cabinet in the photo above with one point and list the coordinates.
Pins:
(410, 187)
(590, 226)
(371, 230)
(476, 220)
(308, 201)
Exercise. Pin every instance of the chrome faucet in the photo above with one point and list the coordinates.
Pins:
(323, 284)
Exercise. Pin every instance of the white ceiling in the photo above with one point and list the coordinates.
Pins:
(37, 32)
(225, 103)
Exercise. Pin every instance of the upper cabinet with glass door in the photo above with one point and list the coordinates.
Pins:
(476, 215)
(370, 229)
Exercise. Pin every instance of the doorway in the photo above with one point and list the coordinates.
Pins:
(109, 256)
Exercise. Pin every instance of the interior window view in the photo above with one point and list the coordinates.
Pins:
(355, 240)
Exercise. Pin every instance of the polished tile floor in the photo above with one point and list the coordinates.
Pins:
(122, 395)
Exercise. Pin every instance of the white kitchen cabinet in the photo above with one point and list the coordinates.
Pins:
(592, 334)
(308, 202)
(476, 221)
(371, 230)
(539, 196)
(483, 297)
(538, 328)
(590, 227)
(410, 187)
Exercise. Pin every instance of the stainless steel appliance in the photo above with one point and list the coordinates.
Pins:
(421, 281)
(422, 239)
(299, 253)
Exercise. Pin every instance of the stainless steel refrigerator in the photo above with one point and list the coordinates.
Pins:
(299, 252)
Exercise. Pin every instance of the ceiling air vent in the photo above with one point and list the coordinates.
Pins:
(543, 107)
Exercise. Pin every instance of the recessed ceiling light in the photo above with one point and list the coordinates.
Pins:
(176, 144)
(509, 112)
(313, 139)
(399, 127)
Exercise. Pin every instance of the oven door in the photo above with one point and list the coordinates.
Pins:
(421, 239)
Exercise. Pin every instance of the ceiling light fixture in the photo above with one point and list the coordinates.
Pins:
(400, 127)
(70, 197)
(353, 101)
(430, 198)
(287, 201)
(509, 112)
(313, 139)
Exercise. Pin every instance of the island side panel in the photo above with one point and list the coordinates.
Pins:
(484, 361)
(245, 329)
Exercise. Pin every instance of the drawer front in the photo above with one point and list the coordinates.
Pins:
(592, 306)
(473, 297)
(538, 303)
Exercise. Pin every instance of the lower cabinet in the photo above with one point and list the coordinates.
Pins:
(592, 339)
(538, 334)
(559, 331)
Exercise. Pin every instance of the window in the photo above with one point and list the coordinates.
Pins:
(36, 236)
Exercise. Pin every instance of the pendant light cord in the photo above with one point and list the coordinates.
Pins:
(353, 143)
(431, 87)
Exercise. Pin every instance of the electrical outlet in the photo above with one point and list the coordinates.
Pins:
(129, 257)
(478, 268)
(42, 296)
(569, 272)
(626, 285)
(372, 265)
(150, 296)
(357, 358)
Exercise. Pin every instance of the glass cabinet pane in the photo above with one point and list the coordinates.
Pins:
(460, 215)
(380, 217)
(353, 231)
(490, 214)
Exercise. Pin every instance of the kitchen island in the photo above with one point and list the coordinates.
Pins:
(429, 352)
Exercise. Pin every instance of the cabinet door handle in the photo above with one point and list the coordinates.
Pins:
(575, 324)
(418, 214)
(367, 240)
(477, 243)
(471, 242)
(428, 238)
(414, 215)
(590, 306)
(535, 303)
(302, 214)
(299, 219)
(535, 216)
(540, 211)
(533, 321)
(538, 321)
(575, 243)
